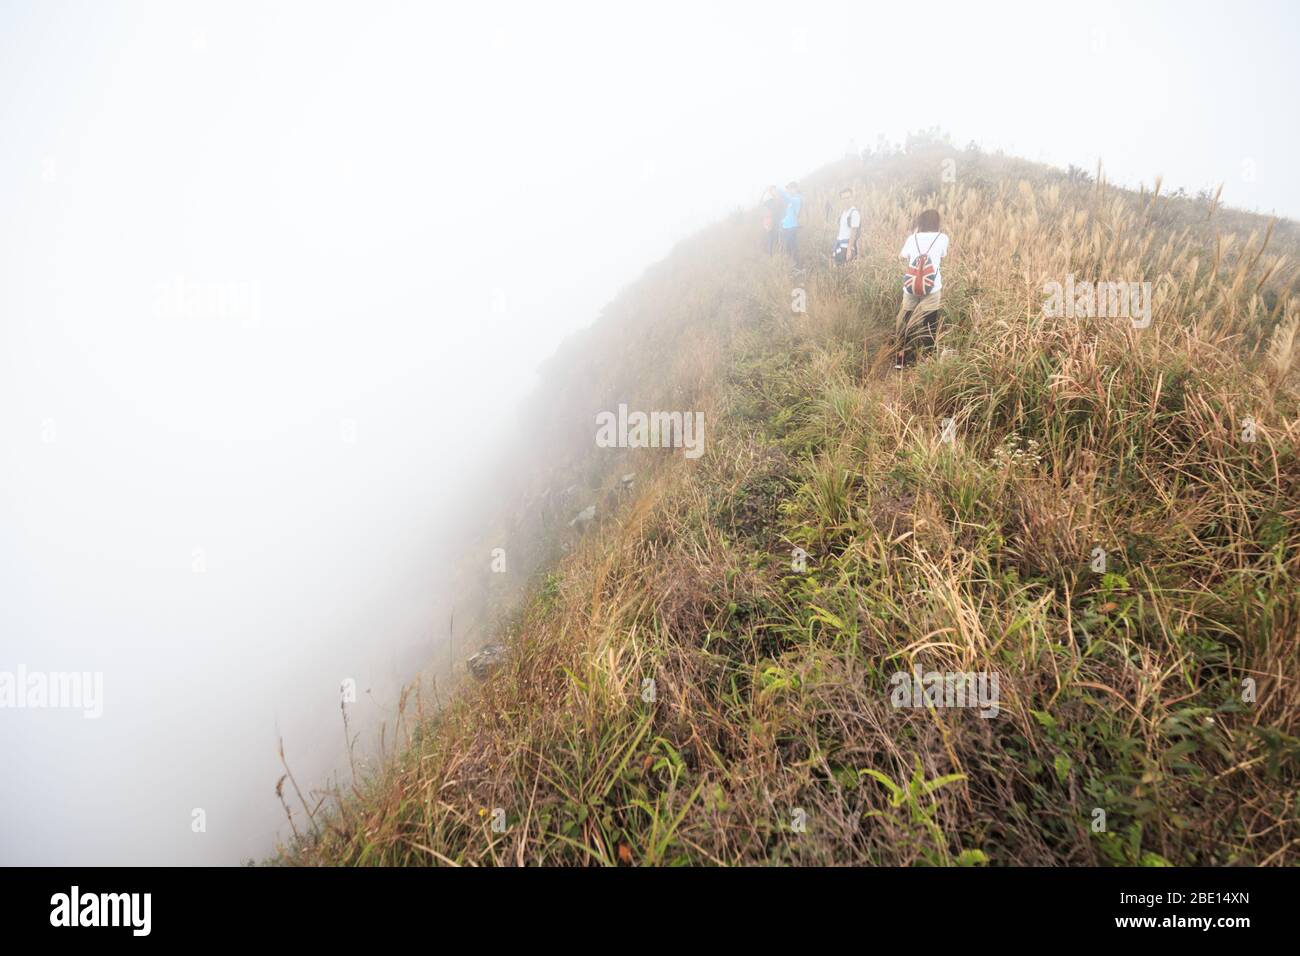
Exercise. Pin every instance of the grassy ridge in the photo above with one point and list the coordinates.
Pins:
(771, 737)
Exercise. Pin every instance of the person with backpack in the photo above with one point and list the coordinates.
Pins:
(790, 221)
(846, 240)
(918, 317)
(773, 210)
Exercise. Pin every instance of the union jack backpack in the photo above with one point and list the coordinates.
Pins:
(918, 280)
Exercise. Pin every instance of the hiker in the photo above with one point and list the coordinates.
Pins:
(918, 316)
(790, 221)
(846, 240)
(773, 210)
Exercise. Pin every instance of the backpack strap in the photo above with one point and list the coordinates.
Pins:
(917, 240)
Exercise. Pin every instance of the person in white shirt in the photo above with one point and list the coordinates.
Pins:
(846, 240)
(918, 317)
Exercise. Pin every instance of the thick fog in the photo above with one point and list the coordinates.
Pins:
(276, 277)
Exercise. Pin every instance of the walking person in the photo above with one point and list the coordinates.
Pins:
(773, 210)
(790, 221)
(918, 317)
(846, 239)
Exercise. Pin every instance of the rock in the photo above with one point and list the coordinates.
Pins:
(584, 517)
(627, 480)
(482, 664)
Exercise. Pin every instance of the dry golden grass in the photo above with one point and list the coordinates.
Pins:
(1120, 692)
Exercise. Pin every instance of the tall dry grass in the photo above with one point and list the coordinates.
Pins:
(1158, 697)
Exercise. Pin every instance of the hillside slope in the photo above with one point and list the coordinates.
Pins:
(1146, 712)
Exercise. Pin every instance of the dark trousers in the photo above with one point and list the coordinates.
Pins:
(790, 243)
(918, 334)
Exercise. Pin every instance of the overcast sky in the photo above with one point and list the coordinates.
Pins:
(275, 274)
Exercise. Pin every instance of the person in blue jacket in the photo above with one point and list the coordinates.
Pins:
(790, 222)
